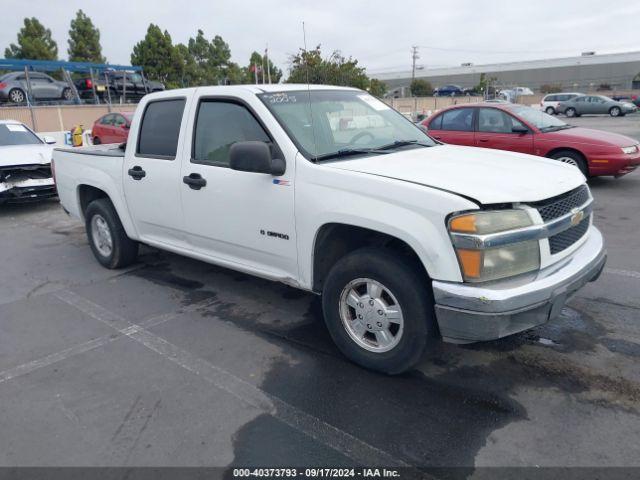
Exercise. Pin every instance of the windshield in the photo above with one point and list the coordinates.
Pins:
(325, 123)
(16, 134)
(538, 118)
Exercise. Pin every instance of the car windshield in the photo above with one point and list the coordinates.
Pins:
(334, 123)
(17, 134)
(539, 119)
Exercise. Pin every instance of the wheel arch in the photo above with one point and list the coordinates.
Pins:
(86, 193)
(334, 240)
(552, 152)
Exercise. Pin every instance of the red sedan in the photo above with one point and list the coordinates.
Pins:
(111, 128)
(522, 129)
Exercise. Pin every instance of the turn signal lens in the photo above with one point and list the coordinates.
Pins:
(463, 223)
(471, 263)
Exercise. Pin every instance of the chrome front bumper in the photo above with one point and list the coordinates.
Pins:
(475, 312)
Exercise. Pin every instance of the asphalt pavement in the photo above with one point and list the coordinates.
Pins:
(177, 362)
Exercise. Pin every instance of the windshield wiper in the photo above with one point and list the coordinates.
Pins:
(401, 143)
(555, 128)
(345, 152)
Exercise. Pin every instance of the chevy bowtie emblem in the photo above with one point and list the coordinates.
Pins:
(577, 217)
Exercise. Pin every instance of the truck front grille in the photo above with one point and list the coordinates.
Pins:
(563, 240)
(556, 207)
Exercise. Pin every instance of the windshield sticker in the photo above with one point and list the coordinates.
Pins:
(280, 98)
(374, 102)
(16, 128)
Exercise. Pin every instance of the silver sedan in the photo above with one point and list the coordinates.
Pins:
(595, 104)
(13, 87)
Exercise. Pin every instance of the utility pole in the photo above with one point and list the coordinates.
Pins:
(414, 56)
(266, 56)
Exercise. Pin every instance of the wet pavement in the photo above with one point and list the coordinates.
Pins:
(176, 362)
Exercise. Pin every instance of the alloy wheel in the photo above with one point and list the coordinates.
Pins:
(371, 315)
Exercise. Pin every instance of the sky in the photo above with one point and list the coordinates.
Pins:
(379, 34)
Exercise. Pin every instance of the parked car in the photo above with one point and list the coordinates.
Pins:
(526, 130)
(512, 94)
(549, 103)
(25, 164)
(132, 86)
(404, 238)
(13, 87)
(595, 104)
(111, 128)
(448, 91)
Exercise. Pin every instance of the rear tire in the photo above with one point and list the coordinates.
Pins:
(392, 341)
(67, 94)
(17, 96)
(570, 112)
(572, 158)
(109, 242)
(96, 141)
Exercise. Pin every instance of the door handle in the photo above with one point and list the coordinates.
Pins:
(195, 181)
(137, 173)
(437, 137)
(483, 139)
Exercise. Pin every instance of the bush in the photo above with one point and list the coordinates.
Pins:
(421, 88)
(547, 88)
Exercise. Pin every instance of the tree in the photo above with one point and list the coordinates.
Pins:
(84, 40)
(212, 61)
(34, 42)
(308, 65)
(421, 88)
(377, 88)
(159, 58)
(257, 61)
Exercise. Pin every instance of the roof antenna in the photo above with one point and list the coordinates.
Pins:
(306, 64)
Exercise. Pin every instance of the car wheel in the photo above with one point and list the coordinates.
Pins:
(67, 94)
(96, 141)
(378, 308)
(615, 111)
(17, 96)
(109, 242)
(570, 112)
(572, 158)
(550, 110)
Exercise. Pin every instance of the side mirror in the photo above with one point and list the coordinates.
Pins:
(255, 157)
(126, 126)
(520, 129)
(49, 140)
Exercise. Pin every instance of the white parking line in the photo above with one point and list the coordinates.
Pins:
(623, 273)
(346, 444)
(56, 357)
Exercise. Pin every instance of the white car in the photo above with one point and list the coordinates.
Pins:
(549, 103)
(25, 164)
(406, 239)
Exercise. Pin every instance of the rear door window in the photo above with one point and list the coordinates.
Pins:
(160, 129)
(458, 119)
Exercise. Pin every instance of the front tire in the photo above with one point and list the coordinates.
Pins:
(96, 141)
(572, 158)
(570, 112)
(67, 94)
(109, 242)
(615, 111)
(378, 308)
(550, 111)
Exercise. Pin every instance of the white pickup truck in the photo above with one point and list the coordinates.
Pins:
(329, 190)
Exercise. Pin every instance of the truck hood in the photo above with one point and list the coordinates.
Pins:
(485, 175)
(25, 155)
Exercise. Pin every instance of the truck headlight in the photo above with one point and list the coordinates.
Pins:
(483, 264)
(630, 150)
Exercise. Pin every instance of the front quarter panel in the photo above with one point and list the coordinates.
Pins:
(410, 212)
